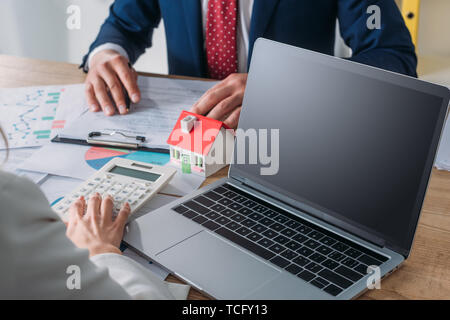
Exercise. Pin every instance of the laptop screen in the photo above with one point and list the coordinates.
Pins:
(355, 143)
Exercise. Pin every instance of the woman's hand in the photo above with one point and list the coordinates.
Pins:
(92, 226)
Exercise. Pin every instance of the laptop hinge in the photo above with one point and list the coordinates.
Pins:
(254, 186)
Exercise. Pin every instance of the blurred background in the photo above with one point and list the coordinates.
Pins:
(37, 29)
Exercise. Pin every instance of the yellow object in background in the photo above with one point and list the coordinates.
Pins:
(410, 11)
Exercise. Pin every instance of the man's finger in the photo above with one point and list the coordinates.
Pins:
(123, 215)
(102, 96)
(129, 79)
(115, 88)
(90, 97)
(106, 209)
(233, 119)
(211, 97)
(226, 106)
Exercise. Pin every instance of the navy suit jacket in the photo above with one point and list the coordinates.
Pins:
(309, 24)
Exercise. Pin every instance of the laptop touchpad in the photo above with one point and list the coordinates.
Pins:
(216, 266)
(157, 231)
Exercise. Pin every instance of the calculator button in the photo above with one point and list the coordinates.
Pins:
(134, 196)
(111, 192)
(132, 202)
(139, 195)
(83, 193)
(141, 184)
(100, 189)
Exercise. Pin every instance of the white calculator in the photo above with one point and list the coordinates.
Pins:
(125, 180)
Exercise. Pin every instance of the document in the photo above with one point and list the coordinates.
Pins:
(32, 115)
(12, 159)
(162, 101)
(56, 187)
(81, 162)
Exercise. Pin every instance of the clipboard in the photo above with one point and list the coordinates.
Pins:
(94, 139)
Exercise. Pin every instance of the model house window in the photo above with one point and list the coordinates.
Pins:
(199, 161)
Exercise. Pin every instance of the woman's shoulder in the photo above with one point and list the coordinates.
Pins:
(10, 181)
(6, 177)
(21, 195)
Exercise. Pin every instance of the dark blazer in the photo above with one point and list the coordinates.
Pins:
(309, 24)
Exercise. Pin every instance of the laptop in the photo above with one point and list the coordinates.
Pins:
(356, 149)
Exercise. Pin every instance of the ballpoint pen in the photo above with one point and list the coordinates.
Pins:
(127, 100)
(127, 97)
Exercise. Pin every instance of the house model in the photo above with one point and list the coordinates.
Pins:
(200, 145)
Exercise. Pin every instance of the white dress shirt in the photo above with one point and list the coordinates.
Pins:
(36, 255)
(243, 29)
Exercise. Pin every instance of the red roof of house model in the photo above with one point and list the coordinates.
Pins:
(200, 138)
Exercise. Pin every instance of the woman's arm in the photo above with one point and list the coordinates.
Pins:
(40, 262)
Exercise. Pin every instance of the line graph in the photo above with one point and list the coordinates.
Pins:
(28, 115)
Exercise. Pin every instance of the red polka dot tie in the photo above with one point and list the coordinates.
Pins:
(221, 51)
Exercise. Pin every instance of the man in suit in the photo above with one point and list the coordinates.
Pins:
(214, 38)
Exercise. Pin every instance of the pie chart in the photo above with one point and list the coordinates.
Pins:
(97, 157)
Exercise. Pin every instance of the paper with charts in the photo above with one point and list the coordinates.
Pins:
(162, 101)
(32, 115)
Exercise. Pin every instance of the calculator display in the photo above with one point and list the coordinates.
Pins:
(135, 173)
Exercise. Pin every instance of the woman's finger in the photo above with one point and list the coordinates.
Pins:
(106, 209)
(123, 215)
(93, 207)
(76, 210)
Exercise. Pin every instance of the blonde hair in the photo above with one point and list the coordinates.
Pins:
(6, 143)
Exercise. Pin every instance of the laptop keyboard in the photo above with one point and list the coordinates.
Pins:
(316, 255)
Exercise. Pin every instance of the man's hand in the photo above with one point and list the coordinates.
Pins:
(109, 73)
(224, 100)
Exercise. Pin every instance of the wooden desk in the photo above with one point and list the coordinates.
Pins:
(426, 274)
